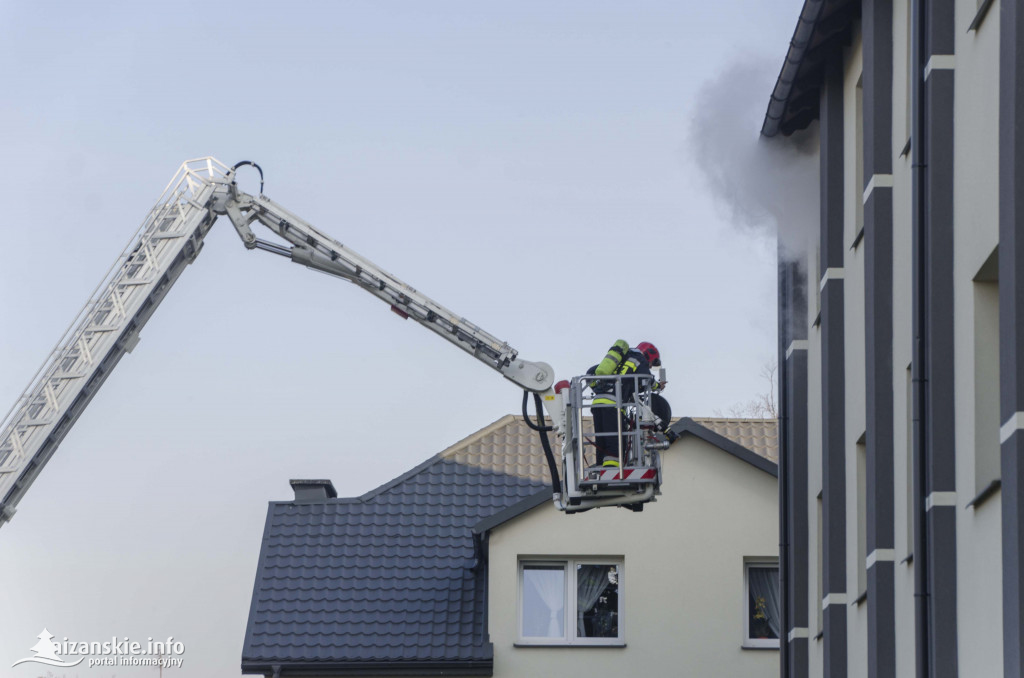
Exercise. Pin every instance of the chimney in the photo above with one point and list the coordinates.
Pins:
(313, 490)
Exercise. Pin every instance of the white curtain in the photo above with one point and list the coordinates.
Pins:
(764, 583)
(591, 582)
(549, 585)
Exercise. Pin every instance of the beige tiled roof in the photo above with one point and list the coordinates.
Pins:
(760, 436)
(509, 446)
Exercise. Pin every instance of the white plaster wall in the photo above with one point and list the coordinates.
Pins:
(902, 341)
(853, 338)
(683, 578)
(976, 153)
(816, 656)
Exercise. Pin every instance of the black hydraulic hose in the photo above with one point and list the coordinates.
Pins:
(542, 431)
(556, 482)
(526, 416)
(259, 169)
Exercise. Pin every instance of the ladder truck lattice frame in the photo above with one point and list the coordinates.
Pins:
(107, 327)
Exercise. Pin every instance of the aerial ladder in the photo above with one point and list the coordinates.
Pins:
(171, 237)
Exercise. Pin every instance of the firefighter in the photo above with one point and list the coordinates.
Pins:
(607, 412)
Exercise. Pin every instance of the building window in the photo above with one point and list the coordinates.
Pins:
(817, 286)
(762, 615)
(986, 375)
(821, 570)
(911, 477)
(862, 516)
(570, 602)
(910, 76)
(859, 183)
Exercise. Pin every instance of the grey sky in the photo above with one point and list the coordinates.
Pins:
(525, 164)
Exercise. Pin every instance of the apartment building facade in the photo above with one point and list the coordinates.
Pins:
(902, 379)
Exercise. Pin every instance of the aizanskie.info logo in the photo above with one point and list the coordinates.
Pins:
(114, 652)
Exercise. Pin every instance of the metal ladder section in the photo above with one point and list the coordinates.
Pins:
(107, 327)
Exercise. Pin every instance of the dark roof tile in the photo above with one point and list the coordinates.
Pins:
(389, 576)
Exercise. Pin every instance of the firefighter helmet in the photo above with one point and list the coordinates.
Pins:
(650, 351)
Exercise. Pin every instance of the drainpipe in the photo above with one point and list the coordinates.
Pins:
(920, 269)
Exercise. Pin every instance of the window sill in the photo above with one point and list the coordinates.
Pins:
(985, 494)
(615, 644)
(980, 16)
(745, 646)
(905, 153)
(857, 238)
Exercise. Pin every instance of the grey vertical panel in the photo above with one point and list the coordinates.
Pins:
(1011, 316)
(940, 460)
(880, 437)
(798, 497)
(877, 243)
(783, 432)
(793, 468)
(876, 22)
(833, 385)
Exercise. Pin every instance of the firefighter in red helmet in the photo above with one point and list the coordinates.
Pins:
(607, 413)
(650, 352)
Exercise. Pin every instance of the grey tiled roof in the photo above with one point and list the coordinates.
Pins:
(388, 578)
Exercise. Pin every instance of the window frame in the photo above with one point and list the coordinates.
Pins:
(748, 640)
(569, 603)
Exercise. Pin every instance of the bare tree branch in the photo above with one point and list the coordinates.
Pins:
(762, 406)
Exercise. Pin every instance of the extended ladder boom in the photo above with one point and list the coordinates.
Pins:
(316, 250)
(169, 239)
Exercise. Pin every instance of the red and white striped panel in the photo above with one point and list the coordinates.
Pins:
(631, 475)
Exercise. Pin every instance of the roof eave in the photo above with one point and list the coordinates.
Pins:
(688, 425)
(513, 511)
(818, 31)
(469, 667)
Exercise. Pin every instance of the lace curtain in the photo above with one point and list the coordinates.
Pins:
(549, 585)
(764, 585)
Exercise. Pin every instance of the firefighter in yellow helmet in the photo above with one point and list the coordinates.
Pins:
(606, 411)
